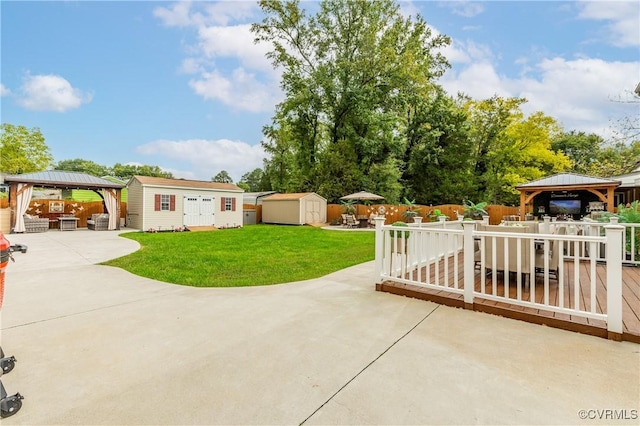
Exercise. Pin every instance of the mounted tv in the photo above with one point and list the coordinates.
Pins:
(565, 206)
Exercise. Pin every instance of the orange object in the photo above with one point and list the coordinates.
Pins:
(5, 254)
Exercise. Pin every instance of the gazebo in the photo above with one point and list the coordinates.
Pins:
(21, 188)
(569, 191)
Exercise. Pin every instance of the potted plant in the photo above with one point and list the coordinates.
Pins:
(348, 207)
(436, 215)
(412, 210)
(474, 211)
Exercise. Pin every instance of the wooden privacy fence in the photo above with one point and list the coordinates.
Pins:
(393, 213)
(52, 209)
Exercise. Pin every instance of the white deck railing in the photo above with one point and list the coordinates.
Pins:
(444, 256)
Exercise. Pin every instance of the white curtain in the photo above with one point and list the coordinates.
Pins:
(23, 199)
(111, 202)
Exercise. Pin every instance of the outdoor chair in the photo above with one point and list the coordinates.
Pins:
(511, 265)
(352, 222)
(35, 224)
(554, 259)
(98, 222)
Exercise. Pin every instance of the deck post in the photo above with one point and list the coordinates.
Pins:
(379, 248)
(614, 280)
(468, 250)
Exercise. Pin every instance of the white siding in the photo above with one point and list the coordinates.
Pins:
(135, 208)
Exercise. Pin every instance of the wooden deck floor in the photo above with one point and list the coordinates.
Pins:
(630, 295)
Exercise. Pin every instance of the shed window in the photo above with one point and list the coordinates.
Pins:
(165, 202)
(228, 204)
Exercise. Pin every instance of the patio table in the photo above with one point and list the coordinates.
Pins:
(68, 223)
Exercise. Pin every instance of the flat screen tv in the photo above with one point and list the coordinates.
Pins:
(565, 206)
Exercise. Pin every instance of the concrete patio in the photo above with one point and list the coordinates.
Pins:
(97, 345)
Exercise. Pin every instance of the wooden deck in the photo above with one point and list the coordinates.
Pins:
(630, 295)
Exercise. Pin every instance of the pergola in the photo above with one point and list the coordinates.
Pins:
(21, 188)
(603, 189)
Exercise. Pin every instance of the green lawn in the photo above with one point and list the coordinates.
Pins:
(249, 256)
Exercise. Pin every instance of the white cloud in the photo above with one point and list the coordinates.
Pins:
(240, 90)
(227, 65)
(623, 17)
(234, 42)
(182, 14)
(51, 93)
(581, 94)
(177, 15)
(206, 158)
(468, 9)
(4, 91)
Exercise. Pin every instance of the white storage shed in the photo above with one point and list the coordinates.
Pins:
(162, 204)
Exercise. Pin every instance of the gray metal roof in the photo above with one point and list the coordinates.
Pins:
(569, 179)
(255, 197)
(62, 179)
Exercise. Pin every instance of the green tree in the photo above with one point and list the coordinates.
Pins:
(23, 150)
(126, 171)
(346, 74)
(222, 177)
(252, 181)
(510, 149)
(439, 152)
(616, 159)
(84, 166)
(581, 148)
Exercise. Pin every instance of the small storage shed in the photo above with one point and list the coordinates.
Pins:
(294, 209)
(162, 204)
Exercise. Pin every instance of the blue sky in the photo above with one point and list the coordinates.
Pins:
(181, 85)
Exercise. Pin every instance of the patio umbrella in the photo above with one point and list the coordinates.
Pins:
(363, 196)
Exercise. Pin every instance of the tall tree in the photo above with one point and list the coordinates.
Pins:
(23, 150)
(439, 152)
(582, 149)
(222, 177)
(346, 72)
(510, 149)
(252, 181)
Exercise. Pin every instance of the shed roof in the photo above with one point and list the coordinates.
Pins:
(569, 179)
(186, 183)
(62, 179)
(290, 197)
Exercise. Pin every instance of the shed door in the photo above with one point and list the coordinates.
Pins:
(207, 211)
(198, 210)
(191, 208)
(312, 213)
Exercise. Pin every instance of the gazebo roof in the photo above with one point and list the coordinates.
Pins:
(63, 179)
(569, 179)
